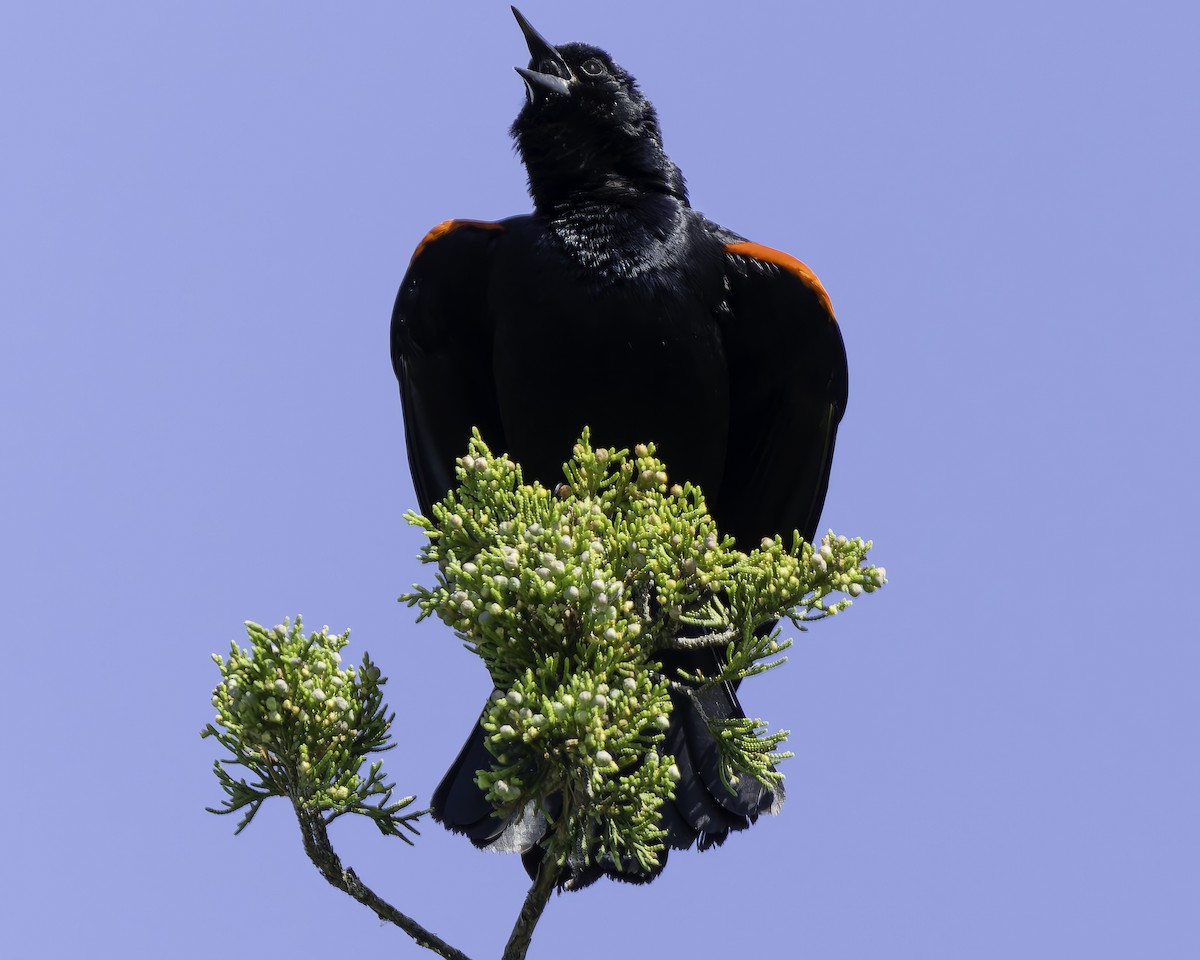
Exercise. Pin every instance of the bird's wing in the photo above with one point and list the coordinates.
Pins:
(787, 387)
(442, 351)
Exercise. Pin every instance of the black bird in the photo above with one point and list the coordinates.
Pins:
(723, 352)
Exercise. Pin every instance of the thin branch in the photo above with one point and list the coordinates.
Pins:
(715, 638)
(531, 911)
(321, 853)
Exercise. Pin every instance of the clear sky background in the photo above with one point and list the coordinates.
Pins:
(205, 211)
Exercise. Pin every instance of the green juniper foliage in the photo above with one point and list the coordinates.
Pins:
(303, 727)
(570, 596)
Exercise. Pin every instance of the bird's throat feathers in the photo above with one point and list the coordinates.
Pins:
(566, 168)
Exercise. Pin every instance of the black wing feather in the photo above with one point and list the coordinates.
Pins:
(441, 342)
(788, 389)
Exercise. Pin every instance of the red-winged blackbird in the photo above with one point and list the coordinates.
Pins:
(617, 306)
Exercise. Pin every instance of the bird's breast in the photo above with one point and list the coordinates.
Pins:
(635, 359)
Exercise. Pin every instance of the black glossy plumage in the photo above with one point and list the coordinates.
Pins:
(723, 353)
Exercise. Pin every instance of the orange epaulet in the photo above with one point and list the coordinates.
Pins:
(449, 226)
(785, 261)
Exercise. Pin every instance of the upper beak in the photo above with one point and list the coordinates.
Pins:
(537, 84)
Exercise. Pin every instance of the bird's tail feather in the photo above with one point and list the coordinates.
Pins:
(703, 813)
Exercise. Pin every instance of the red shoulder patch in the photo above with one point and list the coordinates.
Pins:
(785, 261)
(449, 226)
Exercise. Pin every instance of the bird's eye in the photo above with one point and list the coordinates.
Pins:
(593, 68)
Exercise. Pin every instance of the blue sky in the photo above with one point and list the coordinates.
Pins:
(205, 211)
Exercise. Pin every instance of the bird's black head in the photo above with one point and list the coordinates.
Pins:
(586, 130)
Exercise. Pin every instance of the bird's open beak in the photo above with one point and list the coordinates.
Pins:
(539, 85)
